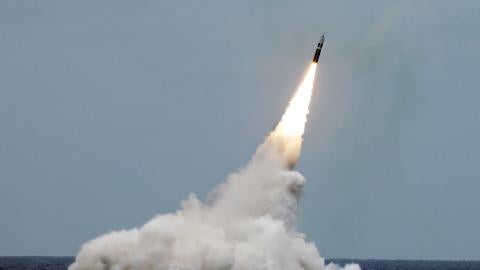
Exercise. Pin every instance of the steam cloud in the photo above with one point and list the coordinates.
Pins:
(247, 223)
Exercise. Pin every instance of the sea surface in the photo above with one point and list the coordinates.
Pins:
(62, 263)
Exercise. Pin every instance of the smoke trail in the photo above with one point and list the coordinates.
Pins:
(248, 222)
(287, 135)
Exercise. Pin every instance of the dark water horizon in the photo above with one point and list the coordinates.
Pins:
(62, 263)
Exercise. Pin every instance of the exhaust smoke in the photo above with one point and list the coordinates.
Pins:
(286, 138)
(248, 222)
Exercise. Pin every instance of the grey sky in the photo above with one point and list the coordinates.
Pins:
(113, 111)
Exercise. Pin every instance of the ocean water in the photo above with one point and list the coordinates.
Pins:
(62, 263)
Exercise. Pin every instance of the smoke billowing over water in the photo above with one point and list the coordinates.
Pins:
(247, 223)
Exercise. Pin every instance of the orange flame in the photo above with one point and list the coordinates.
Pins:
(287, 136)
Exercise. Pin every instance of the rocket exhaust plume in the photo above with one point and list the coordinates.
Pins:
(248, 222)
(287, 136)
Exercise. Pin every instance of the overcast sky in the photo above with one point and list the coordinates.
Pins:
(113, 111)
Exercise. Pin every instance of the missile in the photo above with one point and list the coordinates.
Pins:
(319, 49)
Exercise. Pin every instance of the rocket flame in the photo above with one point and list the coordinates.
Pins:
(286, 138)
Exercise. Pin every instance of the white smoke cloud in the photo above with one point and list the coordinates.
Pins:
(247, 223)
